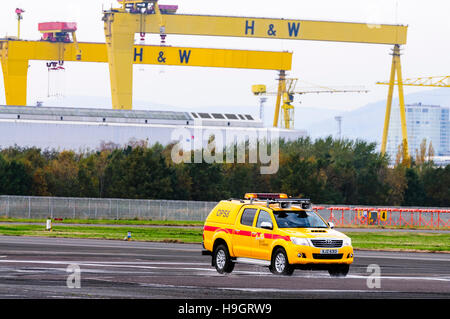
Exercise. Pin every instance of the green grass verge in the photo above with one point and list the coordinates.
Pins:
(413, 241)
(409, 241)
(108, 221)
(166, 234)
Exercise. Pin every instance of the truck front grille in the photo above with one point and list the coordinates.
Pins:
(327, 243)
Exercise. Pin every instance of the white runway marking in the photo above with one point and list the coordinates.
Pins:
(401, 278)
(104, 244)
(145, 263)
(104, 264)
(300, 290)
(270, 289)
(207, 269)
(431, 258)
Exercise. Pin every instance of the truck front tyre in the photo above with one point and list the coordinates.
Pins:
(339, 270)
(280, 264)
(222, 260)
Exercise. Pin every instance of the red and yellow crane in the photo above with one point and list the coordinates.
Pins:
(148, 16)
(59, 43)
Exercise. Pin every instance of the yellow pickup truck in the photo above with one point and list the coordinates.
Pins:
(273, 230)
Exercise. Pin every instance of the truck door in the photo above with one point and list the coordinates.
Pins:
(264, 237)
(243, 242)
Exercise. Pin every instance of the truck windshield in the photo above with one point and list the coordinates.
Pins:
(298, 219)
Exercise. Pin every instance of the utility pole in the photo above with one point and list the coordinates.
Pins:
(262, 100)
(339, 121)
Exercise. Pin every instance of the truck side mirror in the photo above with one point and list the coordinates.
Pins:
(267, 225)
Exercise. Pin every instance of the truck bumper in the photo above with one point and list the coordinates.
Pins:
(302, 255)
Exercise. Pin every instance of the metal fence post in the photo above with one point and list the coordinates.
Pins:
(187, 209)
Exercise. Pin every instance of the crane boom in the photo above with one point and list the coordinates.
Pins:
(286, 90)
(429, 81)
(269, 28)
(16, 54)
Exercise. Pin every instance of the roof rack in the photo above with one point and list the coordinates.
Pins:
(305, 203)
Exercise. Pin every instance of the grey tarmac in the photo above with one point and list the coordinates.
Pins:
(36, 267)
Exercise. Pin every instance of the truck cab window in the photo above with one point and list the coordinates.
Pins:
(248, 216)
(263, 217)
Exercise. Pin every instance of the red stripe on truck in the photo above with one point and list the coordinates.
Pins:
(243, 233)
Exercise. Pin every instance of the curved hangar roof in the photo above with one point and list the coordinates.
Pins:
(125, 116)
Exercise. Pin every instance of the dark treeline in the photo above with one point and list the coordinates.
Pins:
(327, 171)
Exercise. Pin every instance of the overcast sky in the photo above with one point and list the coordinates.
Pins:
(324, 63)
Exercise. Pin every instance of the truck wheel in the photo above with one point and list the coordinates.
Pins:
(222, 260)
(280, 264)
(339, 270)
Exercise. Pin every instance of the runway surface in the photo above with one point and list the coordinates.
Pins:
(35, 267)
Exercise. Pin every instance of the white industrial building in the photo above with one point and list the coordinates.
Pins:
(430, 122)
(79, 129)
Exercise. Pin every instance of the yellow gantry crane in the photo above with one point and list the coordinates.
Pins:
(430, 81)
(148, 16)
(59, 43)
(285, 97)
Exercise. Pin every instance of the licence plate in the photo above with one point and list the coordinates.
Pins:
(329, 251)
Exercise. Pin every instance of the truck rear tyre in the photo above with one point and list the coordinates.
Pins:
(339, 270)
(280, 264)
(222, 260)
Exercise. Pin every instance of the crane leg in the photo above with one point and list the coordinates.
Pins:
(396, 69)
(287, 116)
(119, 42)
(281, 89)
(15, 73)
(388, 107)
(406, 156)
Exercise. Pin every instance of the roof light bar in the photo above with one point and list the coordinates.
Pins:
(265, 196)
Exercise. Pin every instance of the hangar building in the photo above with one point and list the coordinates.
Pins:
(82, 129)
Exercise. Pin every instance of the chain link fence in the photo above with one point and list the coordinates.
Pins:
(101, 208)
(436, 217)
(104, 208)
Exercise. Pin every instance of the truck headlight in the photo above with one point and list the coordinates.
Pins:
(300, 241)
(347, 242)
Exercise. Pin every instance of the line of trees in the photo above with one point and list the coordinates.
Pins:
(327, 171)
